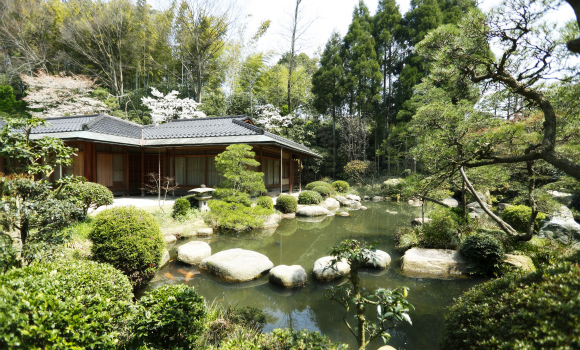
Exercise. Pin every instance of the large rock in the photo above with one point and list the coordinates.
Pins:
(237, 265)
(562, 228)
(288, 276)
(353, 197)
(378, 199)
(272, 221)
(420, 221)
(331, 203)
(520, 261)
(434, 261)
(193, 253)
(314, 210)
(474, 207)
(164, 258)
(325, 270)
(366, 198)
(205, 231)
(344, 201)
(169, 239)
(289, 216)
(377, 259)
(452, 202)
(561, 197)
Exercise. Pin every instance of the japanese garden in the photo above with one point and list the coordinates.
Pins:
(209, 174)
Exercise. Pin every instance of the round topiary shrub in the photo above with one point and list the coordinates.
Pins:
(265, 202)
(286, 203)
(309, 197)
(129, 239)
(169, 317)
(518, 217)
(90, 195)
(322, 190)
(484, 253)
(63, 305)
(340, 186)
(536, 310)
(310, 186)
(180, 208)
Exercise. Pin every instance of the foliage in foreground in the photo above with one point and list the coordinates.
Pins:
(538, 310)
(129, 239)
(67, 304)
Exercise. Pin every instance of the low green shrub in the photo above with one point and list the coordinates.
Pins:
(309, 197)
(129, 239)
(236, 216)
(536, 310)
(180, 208)
(310, 186)
(286, 203)
(90, 195)
(288, 339)
(340, 186)
(265, 202)
(63, 305)
(247, 316)
(407, 238)
(193, 202)
(322, 190)
(484, 254)
(441, 232)
(518, 217)
(169, 317)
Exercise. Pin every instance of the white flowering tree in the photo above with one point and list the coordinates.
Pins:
(166, 107)
(51, 96)
(269, 117)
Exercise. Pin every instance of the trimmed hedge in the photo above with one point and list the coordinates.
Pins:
(340, 186)
(169, 317)
(310, 186)
(537, 310)
(63, 305)
(286, 203)
(89, 194)
(483, 252)
(129, 239)
(265, 202)
(322, 190)
(180, 208)
(519, 215)
(309, 197)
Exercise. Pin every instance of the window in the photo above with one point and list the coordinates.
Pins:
(180, 170)
(195, 170)
(276, 172)
(118, 169)
(213, 177)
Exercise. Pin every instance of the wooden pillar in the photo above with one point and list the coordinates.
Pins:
(94, 172)
(281, 168)
(291, 172)
(126, 166)
(307, 177)
(173, 167)
(87, 160)
(205, 171)
(142, 172)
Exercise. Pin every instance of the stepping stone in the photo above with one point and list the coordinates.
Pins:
(324, 270)
(237, 265)
(205, 231)
(288, 276)
(377, 259)
(170, 238)
(312, 211)
(193, 253)
(434, 261)
(164, 258)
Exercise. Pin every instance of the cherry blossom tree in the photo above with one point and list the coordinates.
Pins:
(269, 117)
(166, 107)
(51, 96)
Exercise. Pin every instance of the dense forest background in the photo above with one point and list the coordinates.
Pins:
(354, 100)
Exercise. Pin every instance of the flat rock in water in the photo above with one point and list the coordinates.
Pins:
(353, 197)
(272, 221)
(288, 276)
(325, 270)
(331, 203)
(452, 202)
(193, 253)
(170, 238)
(314, 210)
(237, 265)
(343, 213)
(378, 199)
(434, 261)
(520, 261)
(205, 231)
(420, 221)
(289, 216)
(366, 198)
(377, 259)
(362, 207)
(164, 258)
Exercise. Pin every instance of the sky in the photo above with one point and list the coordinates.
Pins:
(327, 15)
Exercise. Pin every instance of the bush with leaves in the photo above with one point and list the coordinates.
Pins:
(286, 203)
(518, 217)
(310, 186)
(169, 317)
(236, 216)
(504, 313)
(265, 202)
(309, 197)
(323, 191)
(63, 305)
(192, 199)
(441, 232)
(129, 239)
(289, 339)
(90, 195)
(340, 186)
(356, 170)
(180, 208)
(484, 254)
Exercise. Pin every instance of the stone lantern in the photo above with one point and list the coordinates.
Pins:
(202, 194)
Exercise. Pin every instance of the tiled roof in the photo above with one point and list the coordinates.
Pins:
(203, 127)
(65, 124)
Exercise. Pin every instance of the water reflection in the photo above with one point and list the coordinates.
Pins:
(301, 242)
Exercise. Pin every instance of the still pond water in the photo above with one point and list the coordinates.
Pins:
(298, 242)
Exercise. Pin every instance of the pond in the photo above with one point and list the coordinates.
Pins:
(303, 241)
